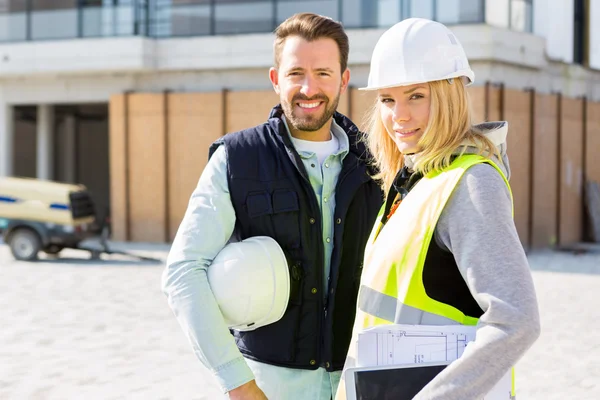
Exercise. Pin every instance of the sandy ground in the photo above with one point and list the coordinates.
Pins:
(77, 329)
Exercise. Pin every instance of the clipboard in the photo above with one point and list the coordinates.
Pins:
(398, 382)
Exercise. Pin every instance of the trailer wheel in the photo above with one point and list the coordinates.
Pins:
(25, 244)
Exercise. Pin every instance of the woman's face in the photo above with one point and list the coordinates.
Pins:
(405, 114)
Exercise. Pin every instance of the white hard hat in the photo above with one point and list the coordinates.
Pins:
(417, 50)
(251, 282)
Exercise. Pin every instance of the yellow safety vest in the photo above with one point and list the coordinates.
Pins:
(392, 289)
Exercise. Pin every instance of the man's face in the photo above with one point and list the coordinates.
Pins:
(309, 82)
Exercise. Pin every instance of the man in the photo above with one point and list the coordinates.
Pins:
(301, 178)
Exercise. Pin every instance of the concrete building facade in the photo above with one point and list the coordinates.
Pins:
(125, 95)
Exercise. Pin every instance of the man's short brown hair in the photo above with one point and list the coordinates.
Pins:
(311, 27)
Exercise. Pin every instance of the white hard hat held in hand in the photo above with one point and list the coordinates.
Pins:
(416, 51)
(251, 283)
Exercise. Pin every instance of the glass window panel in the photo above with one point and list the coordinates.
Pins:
(421, 8)
(459, 11)
(91, 19)
(243, 16)
(13, 27)
(352, 13)
(448, 11)
(118, 20)
(188, 2)
(53, 19)
(388, 12)
(181, 18)
(287, 8)
(496, 13)
(372, 13)
(13, 6)
(190, 20)
(520, 16)
(124, 20)
(45, 5)
(161, 18)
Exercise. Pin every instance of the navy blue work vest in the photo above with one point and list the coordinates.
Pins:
(272, 196)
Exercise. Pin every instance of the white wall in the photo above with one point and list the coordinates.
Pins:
(594, 34)
(496, 12)
(142, 55)
(553, 20)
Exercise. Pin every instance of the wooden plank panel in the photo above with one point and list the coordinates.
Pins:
(545, 171)
(362, 105)
(147, 167)
(517, 111)
(248, 109)
(477, 97)
(592, 149)
(117, 167)
(494, 105)
(344, 103)
(571, 171)
(195, 121)
(592, 169)
(592, 197)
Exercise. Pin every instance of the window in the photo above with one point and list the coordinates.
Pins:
(243, 16)
(421, 9)
(13, 20)
(511, 14)
(287, 8)
(580, 33)
(181, 18)
(521, 15)
(459, 11)
(353, 13)
(388, 12)
(53, 19)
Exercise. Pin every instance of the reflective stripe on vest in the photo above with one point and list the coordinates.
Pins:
(388, 308)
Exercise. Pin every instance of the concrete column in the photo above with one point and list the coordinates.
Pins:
(69, 149)
(45, 141)
(6, 139)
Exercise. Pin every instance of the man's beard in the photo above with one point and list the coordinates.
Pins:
(309, 123)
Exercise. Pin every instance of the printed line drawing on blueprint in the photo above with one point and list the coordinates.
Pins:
(412, 344)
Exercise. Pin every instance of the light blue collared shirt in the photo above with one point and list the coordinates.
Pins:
(185, 281)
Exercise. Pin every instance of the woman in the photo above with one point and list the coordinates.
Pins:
(444, 249)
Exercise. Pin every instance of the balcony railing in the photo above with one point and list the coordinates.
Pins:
(33, 20)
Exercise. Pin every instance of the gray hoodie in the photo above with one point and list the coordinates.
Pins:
(477, 227)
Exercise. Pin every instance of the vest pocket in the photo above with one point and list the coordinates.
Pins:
(259, 204)
(296, 283)
(286, 223)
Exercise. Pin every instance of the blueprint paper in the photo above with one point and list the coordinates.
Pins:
(415, 344)
(412, 344)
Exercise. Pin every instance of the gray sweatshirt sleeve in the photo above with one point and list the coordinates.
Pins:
(477, 227)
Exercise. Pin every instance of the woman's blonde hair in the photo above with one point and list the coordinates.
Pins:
(450, 125)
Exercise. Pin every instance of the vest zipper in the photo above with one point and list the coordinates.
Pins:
(319, 219)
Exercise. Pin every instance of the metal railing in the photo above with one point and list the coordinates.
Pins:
(69, 19)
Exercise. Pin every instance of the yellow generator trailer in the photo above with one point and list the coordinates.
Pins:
(38, 215)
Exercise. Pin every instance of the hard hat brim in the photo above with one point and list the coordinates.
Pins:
(467, 75)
